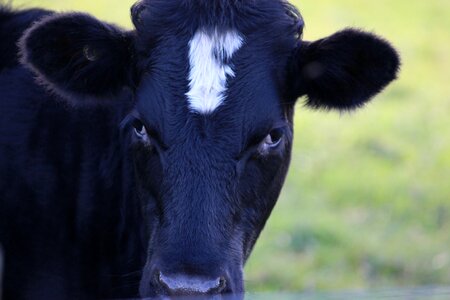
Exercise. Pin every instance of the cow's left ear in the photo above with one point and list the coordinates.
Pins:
(78, 56)
(342, 71)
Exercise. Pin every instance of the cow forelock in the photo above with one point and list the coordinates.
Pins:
(210, 56)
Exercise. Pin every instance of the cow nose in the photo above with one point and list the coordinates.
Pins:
(182, 285)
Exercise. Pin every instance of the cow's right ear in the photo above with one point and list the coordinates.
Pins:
(79, 57)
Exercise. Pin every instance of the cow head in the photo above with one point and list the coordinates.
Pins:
(214, 85)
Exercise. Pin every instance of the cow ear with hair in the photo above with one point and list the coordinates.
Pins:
(342, 71)
(79, 57)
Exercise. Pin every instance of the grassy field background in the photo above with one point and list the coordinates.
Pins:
(367, 200)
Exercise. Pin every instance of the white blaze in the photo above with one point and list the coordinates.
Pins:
(209, 58)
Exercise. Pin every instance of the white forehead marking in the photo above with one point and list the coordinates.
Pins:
(209, 58)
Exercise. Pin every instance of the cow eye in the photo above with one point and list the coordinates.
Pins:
(140, 131)
(272, 140)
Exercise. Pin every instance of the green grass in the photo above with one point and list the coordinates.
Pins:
(367, 200)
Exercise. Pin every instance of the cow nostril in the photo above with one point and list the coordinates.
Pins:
(181, 284)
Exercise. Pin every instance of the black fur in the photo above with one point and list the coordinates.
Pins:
(78, 56)
(90, 209)
(68, 221)
(343, 71)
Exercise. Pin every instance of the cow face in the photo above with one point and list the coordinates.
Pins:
(214, 85)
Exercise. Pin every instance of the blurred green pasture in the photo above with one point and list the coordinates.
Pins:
(366, 203)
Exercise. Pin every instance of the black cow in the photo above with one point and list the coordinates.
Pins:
(146, 162)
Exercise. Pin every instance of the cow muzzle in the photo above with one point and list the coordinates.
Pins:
(184, 285)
